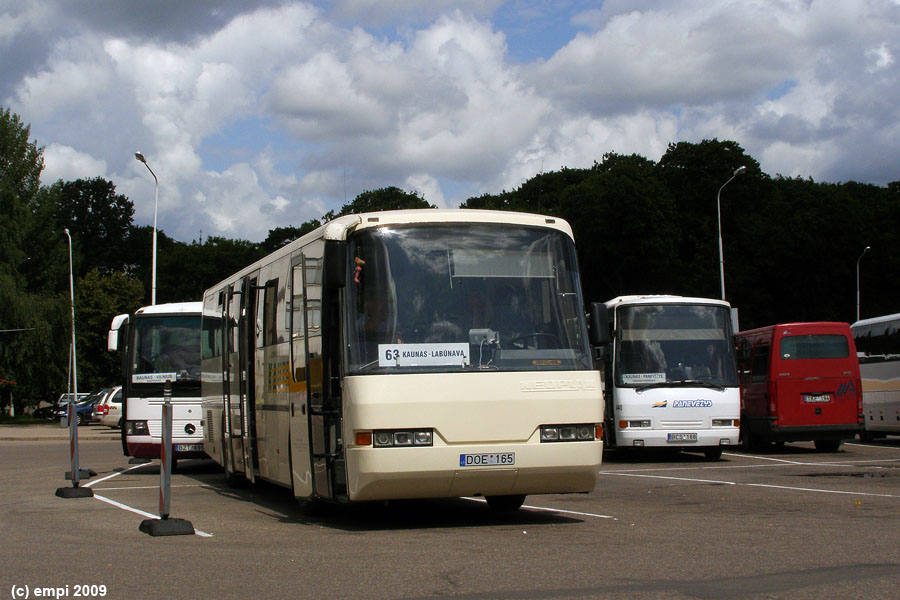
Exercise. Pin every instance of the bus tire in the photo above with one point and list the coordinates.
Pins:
(827, 445)
(506, 503)
(713, 452)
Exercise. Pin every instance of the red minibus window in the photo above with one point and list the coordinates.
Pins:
(814, 346)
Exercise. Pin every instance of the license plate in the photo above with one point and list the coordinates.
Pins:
(489, 459)
(682, 437)
(816, 398)
(188, 447)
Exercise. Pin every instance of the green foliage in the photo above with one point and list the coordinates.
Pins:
(791, 246)
(389, 198)
(98, 299)
(21, 163)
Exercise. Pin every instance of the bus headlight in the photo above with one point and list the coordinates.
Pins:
(136, 428)
(394, 438)
(568, 433)
(724, 423)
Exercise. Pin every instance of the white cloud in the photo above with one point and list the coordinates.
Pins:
(68, 164)
(428, 187)
(283, 111)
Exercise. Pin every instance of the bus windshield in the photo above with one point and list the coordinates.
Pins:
(167, 347)
(442, 298)
(670, 343)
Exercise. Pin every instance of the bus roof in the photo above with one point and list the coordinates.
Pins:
(338, 228)
(800, 326)
(171, 308)
(877, 320)
(662, 299)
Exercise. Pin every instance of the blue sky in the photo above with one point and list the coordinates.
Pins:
(267, 113)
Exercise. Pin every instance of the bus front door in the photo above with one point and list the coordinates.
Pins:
(247, 333)
(325, 424)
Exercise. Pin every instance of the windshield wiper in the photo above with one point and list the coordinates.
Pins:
(681, 382)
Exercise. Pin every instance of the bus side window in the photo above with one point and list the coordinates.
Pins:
(270, 313)
(743, 360)
(295, 322)
(759, 369)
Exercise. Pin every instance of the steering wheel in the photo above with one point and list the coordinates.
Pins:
(541, 340)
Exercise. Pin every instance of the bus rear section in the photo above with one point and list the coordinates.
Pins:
(799, 382)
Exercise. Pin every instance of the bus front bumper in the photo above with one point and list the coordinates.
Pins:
(724, 436)
(442, 472)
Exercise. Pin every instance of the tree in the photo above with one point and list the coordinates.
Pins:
(281, 236)
(33, 324)
(389, 198)
(98, 299)
(95, 215)
(625, 229)
(21, 163)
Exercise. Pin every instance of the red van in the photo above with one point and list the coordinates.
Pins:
(799, 382)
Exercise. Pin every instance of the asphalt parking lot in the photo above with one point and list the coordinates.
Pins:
(788, 523)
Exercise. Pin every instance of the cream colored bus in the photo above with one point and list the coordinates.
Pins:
(408, 354)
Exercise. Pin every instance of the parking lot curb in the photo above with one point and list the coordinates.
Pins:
(41, 433)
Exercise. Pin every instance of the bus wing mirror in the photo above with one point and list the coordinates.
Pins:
(112, 338)
(599, 329)
(335, 275)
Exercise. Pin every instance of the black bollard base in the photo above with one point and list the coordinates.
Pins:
(157, 527)
(138, 461)
(74, 492)
(82, 474)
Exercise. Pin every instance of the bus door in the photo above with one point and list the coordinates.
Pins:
(301, 462)
(233, 441)
(325, 423)
(247, 333)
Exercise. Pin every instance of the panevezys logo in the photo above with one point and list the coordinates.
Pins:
(692, 403)
(662, 404)
(559, 385)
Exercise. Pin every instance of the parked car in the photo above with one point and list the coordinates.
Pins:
(100, 398)
(112, 408)
(45, 412)
(84, 408)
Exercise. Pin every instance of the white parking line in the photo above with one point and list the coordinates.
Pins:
(142, 513)
(558, 510)
(129, 508)
(762, 485)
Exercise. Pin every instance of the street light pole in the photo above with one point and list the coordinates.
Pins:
(865, 250)
(737, 172)
(140, 157)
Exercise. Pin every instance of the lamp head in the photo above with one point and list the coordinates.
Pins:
(140, 157)
(740, 170)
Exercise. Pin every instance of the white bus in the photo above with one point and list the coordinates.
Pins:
(671, 374)
(407, 354)
(878, 347)
(160, 343)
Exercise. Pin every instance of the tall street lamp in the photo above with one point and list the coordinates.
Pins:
(141, 158)
(865, 250)
(737, 172)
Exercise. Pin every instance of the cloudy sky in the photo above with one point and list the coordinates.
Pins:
(265, 113)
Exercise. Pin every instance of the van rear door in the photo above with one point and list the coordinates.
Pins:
(817, 377)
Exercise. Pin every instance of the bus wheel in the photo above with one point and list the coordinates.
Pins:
(506, 502)
(827, 445)
(713, 452)
(750, 442)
